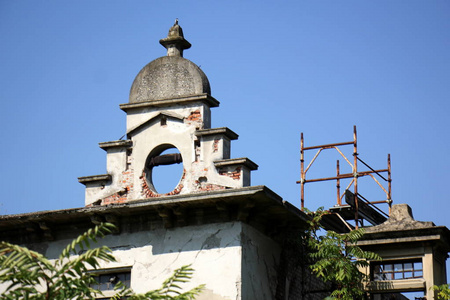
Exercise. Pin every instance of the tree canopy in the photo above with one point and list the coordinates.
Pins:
(338, 259)
(27, 274)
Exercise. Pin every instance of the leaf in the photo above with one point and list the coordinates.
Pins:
(337, 258)
(23, 270)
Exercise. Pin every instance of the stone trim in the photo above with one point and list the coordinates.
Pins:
(236, 161)
(390, 241)
(15, 228)
(114, 144)
(210, 196)
(216, 131)
(94, 178)
(158, 116)
(396, 285)
(208, 99)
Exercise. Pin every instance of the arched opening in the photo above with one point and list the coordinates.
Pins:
(164, 169)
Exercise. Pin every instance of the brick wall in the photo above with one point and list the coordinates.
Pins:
(194, 117)
(235, 174)
(147, 192)
(126, 181)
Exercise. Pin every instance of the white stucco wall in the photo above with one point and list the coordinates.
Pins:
(232, 259)
(260, 261)
(147, 134)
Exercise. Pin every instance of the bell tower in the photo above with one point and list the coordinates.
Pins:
(169, 108)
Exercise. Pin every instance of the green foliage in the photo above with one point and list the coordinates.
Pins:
(443, 291)
(170, 289)
(30, 275)
(337, 258)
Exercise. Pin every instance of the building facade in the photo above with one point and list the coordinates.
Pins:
(240, 239)
(230, 232)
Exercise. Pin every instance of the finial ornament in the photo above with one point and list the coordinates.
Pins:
(175, 42)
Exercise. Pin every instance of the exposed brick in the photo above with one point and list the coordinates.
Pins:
(149, 193)
(115, 198)
(210, 187)
(195, 116)
(122, 196)
(216, 145)
(236, 174)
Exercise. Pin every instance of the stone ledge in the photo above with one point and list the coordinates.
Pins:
(114, 144)
(208, 99)
(266, 212)
(237, 161)
(217, 131)
(392, 240)
(439, 235)
(94, 178)
(396, 285)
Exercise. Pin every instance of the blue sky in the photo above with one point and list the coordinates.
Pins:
(277, 67)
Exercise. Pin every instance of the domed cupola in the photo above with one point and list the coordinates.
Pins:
(168, 125)
(170, 76)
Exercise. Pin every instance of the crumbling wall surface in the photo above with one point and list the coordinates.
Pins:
(295, 280)
(260, 259)
(278, 270)
(213, 250)
(199, 174)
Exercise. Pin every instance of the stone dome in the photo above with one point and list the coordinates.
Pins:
(170, 76)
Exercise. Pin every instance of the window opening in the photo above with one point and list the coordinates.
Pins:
(129, 159)
(164, 169)
(107, 281)
(197, 150)
(397, 270)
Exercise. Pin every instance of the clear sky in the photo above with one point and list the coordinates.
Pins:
(277, 67)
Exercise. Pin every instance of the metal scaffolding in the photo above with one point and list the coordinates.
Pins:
(357, 207)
